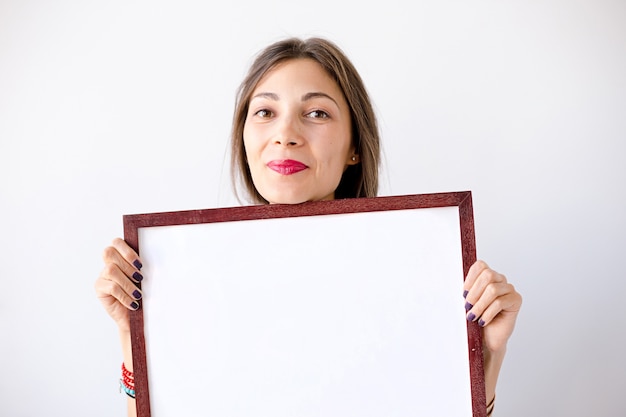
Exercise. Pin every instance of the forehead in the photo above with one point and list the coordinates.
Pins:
(298, 75)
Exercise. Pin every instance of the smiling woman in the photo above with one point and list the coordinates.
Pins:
(304, 130)
(310, 91)
(297, 134)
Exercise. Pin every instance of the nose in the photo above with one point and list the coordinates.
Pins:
(288, 133)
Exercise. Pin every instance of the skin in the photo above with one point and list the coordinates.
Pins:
(298, 112)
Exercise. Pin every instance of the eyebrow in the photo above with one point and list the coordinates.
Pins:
(271, 96)
(306, 97)
(316, 94)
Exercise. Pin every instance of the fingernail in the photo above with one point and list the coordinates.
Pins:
(134, 305)
(136, 294)
(137, 264)
(468, 306)
(465, 293)
(481, 323)
(137, 276)
(471, 317)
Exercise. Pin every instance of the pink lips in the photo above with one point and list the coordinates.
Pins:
(286, 166)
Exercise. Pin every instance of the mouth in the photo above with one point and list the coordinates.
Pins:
(286, 166)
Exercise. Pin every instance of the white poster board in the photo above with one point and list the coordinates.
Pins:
(349, 308)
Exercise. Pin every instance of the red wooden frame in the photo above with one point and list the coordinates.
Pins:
(462, 200)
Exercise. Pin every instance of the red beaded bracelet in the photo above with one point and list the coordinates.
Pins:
(126, 372)
(127, 382)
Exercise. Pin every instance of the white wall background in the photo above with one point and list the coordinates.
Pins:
(117, 107)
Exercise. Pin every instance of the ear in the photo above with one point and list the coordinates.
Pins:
(353, 159)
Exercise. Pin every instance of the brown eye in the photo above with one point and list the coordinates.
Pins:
(318, 114)
(264, 113)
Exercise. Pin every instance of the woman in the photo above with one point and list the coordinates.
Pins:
(304, 130)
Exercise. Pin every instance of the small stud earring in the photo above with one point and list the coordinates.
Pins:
(353, 158)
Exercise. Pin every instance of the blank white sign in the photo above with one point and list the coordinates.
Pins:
(356, 314)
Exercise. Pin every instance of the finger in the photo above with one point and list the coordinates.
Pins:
(475, 270)
(481, 278)
(127, 252)
(110, 293)
(489, 297)
(127, 263)
(114, 283)
(509, 302)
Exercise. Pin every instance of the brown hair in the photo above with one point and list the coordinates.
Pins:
(360, 180)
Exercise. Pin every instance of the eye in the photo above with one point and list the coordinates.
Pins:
(264, 113)
(318, 114)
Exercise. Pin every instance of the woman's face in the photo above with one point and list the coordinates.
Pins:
(297, 134)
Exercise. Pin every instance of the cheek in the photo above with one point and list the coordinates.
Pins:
(341, 151)
(248, 145)
(251, 144)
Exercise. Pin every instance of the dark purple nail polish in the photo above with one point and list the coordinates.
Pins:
(134, 305)
(468, 306)
(471, 317)
(136, 294)
(138, 277)
(481, 323)
(465, 293)
(137, 264)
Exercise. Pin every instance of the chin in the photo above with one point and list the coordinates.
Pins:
(283, 194)
(287, 200)
(295, 199)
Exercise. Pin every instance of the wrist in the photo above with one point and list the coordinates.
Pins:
(492, 364)
(491, 357)
(127, 350)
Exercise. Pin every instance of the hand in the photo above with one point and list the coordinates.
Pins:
(494, 303)
(116, 286)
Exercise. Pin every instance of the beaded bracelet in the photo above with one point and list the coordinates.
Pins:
(491, 406)
(127, 382)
